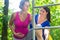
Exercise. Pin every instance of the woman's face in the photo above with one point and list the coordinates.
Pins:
(43, 12)
(26, 6)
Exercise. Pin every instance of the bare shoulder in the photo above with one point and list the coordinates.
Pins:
(14, 14)
(30, 16)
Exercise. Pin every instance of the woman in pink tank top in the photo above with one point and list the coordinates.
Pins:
(21, 21)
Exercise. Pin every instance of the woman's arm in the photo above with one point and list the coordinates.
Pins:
(30, 17)
(46, 33)
(11, 22)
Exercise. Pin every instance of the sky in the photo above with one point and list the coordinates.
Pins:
(14, 5)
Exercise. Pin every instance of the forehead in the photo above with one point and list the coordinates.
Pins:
(26, 3)
(42, 9)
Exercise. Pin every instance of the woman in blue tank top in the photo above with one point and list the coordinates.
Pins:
(43, 19)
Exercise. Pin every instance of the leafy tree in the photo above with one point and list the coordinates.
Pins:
(55, 17)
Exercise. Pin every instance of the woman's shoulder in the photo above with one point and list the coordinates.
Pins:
(29, 13)
(36, 15)
(47, 23)
(30, 16)
(14, 14)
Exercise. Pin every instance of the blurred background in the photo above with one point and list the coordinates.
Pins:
(13, 6)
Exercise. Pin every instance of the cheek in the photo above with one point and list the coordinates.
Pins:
(25, 8)
(45, 14)
(41, 13)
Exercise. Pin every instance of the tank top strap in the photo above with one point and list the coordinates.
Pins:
(17, 13)
(28, 16)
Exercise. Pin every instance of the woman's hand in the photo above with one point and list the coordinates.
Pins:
(19, 35)
(41, 19)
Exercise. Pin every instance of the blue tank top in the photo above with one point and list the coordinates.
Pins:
(46, 23)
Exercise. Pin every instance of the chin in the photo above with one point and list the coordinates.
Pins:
(25, 10)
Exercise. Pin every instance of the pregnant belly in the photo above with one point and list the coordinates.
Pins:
(23, 31)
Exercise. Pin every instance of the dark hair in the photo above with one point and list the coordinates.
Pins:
(48, 15)
(22, 3)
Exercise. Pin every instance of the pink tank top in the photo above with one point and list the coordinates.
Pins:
(21, 26)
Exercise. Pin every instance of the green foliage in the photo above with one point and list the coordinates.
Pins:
(55, 17)
(1, 15)
(0, 25)
(10, 35)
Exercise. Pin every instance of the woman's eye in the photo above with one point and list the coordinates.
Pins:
(42, 11)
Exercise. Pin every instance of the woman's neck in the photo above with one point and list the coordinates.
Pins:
(24, 12)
